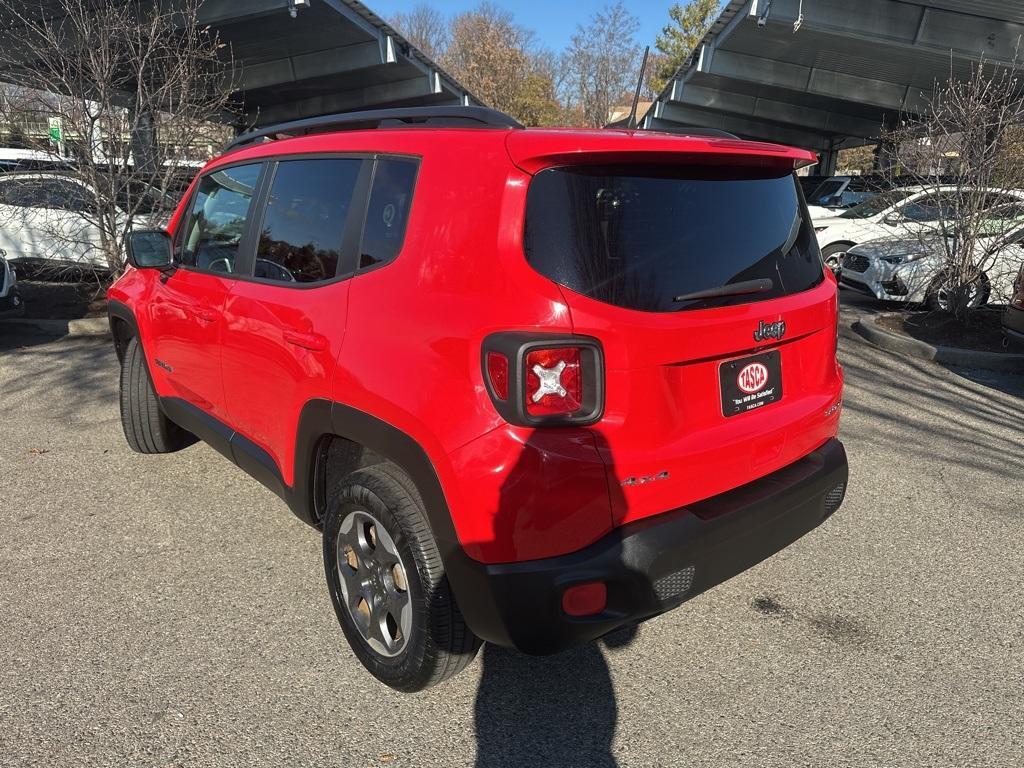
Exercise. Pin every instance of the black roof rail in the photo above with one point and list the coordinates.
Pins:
(432, 117)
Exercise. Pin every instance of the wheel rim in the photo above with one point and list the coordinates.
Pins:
(374, 585)
(943, 296)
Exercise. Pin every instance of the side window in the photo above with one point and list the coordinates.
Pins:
(388, 210)
(9, 193)
(935, 207)
(64, 195)
(307, 208)
(217, 220)
(23, 193)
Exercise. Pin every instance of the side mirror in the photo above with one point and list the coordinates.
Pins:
(150, 249)
(892, 219)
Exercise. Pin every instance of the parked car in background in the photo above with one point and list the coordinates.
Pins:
(837, 193)
(900, 213)
(47, 219)
(10, 298)
(1013, 318)
(907, 270)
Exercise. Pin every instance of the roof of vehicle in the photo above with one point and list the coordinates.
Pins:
(534, 148)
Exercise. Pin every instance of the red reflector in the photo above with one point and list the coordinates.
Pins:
(497, 372)
(554, 382)
(585, 599)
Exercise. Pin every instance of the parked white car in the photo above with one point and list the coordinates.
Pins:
(900, 213)
(10, 298)
(905, 270)
(45, 220)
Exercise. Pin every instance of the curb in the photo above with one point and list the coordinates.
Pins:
(968, 358)
(85, 326)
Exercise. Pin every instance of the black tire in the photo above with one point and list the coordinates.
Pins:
(146, 428)
(830, 251)
(935, 301)
(439, 645)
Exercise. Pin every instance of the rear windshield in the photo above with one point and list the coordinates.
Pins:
(645, 239)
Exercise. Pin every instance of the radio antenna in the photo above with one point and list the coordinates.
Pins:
(629, 122)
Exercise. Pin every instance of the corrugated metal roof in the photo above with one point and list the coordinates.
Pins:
(835, 77)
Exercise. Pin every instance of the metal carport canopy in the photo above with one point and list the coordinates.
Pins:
(303, 58)
(831, 80)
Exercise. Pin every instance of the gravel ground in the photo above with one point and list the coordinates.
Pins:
(166, 611)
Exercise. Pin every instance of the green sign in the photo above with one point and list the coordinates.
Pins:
(56, 130)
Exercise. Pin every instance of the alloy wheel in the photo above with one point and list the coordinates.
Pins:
(374, 586)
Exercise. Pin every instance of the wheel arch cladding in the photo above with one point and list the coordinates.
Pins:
(322, 420)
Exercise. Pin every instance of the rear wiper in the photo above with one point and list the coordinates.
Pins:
(733, 289)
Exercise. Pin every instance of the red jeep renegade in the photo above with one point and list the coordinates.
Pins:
(532, 385)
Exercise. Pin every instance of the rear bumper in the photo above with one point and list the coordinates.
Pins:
(655, 564)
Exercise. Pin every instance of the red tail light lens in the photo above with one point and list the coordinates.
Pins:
(497, 372)
(554, 381)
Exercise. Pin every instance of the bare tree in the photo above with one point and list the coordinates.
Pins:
(499, 61)
(136, 88)
(602, 61)
(963, 147)
(426, 28)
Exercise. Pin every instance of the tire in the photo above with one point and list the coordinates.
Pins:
(146, 428)
(936, 301)
(408, 639)
(829, 252)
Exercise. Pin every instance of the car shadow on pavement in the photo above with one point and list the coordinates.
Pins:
(548, 711)
(73, 372)
(555, 711)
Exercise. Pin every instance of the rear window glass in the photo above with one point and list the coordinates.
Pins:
(641, 238)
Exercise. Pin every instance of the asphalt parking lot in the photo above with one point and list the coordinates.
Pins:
(168, 611)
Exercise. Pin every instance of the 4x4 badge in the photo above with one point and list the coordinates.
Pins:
(766, 331)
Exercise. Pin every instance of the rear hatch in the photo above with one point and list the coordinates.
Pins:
(704, 283)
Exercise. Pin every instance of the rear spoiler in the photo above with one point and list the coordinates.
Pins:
(535, 150)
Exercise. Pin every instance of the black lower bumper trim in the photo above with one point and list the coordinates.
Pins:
(655, 564)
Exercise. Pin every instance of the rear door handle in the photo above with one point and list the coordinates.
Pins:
(314, 341)
(205, 314)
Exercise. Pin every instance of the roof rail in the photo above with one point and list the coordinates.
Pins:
(433, 117)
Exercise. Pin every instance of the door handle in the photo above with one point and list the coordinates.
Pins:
(313, 341)
(206, 314)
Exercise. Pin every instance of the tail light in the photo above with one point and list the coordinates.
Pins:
(1018, 290)
(545, 381)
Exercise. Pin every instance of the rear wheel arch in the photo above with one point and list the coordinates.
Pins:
(335, 433)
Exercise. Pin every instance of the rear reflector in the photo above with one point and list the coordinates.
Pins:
(585, 599)
(497, 372)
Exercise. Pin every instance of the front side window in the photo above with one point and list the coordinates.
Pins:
(876, 204)
(388, 210)
(307, 209)
(937, 207)
(655, 239)
(216, 223)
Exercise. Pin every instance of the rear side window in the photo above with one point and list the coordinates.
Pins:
(308, 206)
(640, 238)
(388, 210)
(217, 220)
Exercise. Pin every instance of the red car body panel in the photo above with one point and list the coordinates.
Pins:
(403, 343)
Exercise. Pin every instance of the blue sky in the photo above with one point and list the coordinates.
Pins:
(553, 21)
